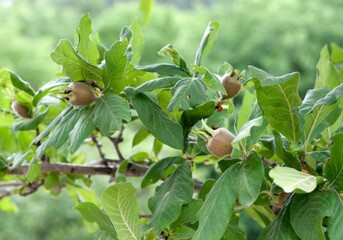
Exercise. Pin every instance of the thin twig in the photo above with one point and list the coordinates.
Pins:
(99, 147)
(269, 163)
(115, 141)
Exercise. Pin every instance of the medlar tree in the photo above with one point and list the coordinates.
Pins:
(281, 162)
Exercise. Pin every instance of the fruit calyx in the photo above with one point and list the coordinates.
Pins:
(80, 94)
(232, 83)
(21, 110)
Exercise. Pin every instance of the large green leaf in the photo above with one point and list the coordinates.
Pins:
(156, 120)
(308, 211)
(86, 47)
(217, 209)
(188, 93)
(92, 213)
(207, 42)
(109, 113)
(170, 196)
(116, 62)
(334, 167)
(83, 127)
(280, 228)
(156, 170)
(327, 73)
(289, 179)
(74, 66)
(146, 7)
(46, 88)
(120, 204)
(234, 232)
(249, 178)
(279, 95)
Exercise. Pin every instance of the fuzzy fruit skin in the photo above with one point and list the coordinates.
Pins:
(220, 143)
(231, 85)
(21, 110)
(81, 94)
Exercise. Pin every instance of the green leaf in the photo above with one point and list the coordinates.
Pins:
(163, 82)
(142, 134)
(188, 93)
(210, 79)
(137, 41)
(334, 167)
(109, 113)
(32, 123)
(146, 7)
(318, 114)
(46, 88)
(156, 120)
(234, 232)
(308, 211)
(246, 108)
(263, 215)
(61, 132)
(74, 66)
(247, 129)
(86, 47)
(327, 74)
(156, 170)
(207, 42)
(279, 95)
(187, 213)
(331, 98)
(81, 130)
(176, 56)
(283, 154)
(217, 209)
(164, 69)
(336, 53)
(33, 171)
(116, 62)
(191, 117)
(182, 233)
(249, 178)
(120, 204)
(92, 213)
(168, 199)
(53, 124)
(280, 228)
(20, 84)
(289, 179)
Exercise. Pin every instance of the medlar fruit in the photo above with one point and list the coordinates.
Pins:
(231, 83)
(21, 110)
(80, 94)
(220, 142)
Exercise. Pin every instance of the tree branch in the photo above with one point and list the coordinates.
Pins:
(89, 169)
(115, 141)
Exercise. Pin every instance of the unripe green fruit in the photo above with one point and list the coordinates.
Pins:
(220, 143)
(21, 110)
(80, 94)
(231, 84)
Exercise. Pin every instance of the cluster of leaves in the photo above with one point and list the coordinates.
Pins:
(285, 170)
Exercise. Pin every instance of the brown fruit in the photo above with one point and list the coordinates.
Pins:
(80, 94)
(21, 110)
(231, 84)
(220, 143)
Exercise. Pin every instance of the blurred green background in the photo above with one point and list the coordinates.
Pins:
(278, 36)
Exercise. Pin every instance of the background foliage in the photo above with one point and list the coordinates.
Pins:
(292, 41)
